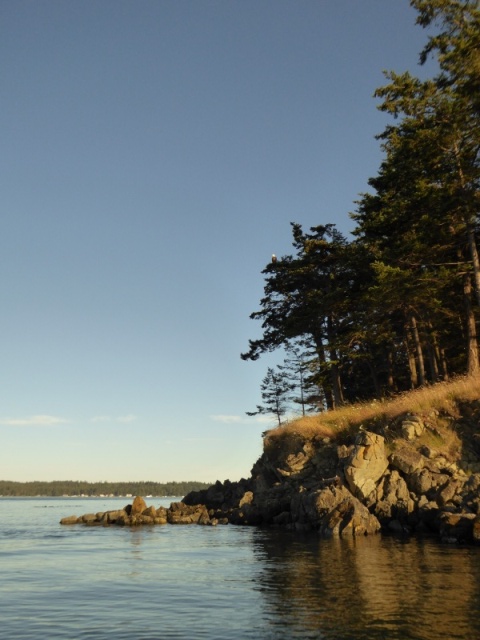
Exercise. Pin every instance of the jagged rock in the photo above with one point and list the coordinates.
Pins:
(344, 451)
(266, 505)
(421, 481)
(150, 511)
(407, 460)
(204, 517)
(448, 492)
(470, 493)
(393, 499)
(366, 464)
(225, 496)
(247, 498)
(333, 511)
(181, 513)
(393, 487)
(295, 462)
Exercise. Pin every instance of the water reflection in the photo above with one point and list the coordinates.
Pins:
(370, 587)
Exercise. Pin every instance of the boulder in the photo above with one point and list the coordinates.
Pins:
(70, 520)
(448, 492)
(89, 517)
(421, 481)
(333, 511)
(407, 460)
(366, 464)
(411, 427)
(150, 512)
(393, 499)
(111, 517)
(247, 498)
(138, 506)
(181, 513)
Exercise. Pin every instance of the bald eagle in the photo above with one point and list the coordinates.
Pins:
(274, 258)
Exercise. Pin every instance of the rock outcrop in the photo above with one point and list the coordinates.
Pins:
(406, 485)
(366, 464)
(138, 513)
(360, 488)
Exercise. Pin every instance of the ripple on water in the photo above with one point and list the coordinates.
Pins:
(229, 583)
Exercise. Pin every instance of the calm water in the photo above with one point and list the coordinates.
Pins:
(225, 582)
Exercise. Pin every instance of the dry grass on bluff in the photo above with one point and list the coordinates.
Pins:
(440, 405)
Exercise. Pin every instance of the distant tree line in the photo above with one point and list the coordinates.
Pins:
(398, 305)
(75, 488)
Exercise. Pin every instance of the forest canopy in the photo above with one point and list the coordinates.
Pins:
(397, 306)
(58, 488)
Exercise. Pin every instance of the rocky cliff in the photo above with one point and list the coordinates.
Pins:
(415, 474)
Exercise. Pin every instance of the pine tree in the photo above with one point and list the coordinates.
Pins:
(276, 389)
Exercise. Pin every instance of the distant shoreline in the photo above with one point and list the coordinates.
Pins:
(46, 497)
(83, 489)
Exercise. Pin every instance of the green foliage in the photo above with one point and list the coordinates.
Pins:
(394, 309)
(275, 390)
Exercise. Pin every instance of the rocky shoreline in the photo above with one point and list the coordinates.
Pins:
(138, 513)
(385, 480)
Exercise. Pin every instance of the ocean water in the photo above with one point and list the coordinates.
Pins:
(225, 582)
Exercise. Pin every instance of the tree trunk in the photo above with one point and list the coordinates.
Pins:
(411, 360)
(320, 350)
(472, 245)
(433, 361)
(418, 349)
(373, 374)
(390, 376)
(443, 362)
(472, 346)
(338, 398)
(470, 223)
(334, 368)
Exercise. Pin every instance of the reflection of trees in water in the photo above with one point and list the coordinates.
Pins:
(370, 587)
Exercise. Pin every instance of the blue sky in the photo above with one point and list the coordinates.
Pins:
(153, 156)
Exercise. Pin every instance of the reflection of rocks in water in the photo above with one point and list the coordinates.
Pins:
(370, 587)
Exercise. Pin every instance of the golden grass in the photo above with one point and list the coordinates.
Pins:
(442, 397)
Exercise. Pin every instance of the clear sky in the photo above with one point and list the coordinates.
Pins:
(153, 156)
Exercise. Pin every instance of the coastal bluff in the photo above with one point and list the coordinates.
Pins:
(416, 474)
(412, 475)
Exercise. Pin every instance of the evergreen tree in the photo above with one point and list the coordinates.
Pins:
(276, 389)
(396, 308)
(300, 368)
(303, 298)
